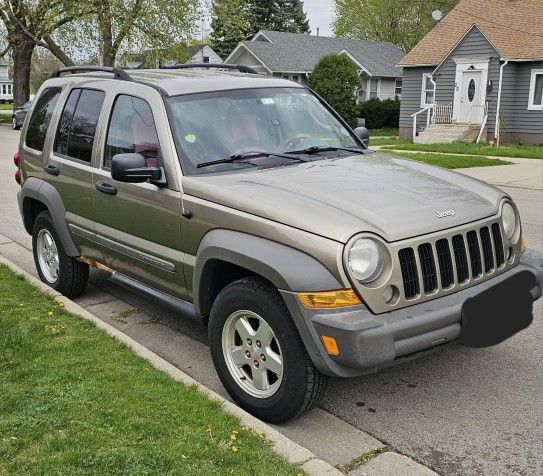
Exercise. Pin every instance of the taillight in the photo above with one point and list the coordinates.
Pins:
(18, 177)
(17, 159)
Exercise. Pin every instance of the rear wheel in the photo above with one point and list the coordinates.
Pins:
(259, 355)
(55, 268)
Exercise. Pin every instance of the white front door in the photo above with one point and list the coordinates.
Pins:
(471, 108)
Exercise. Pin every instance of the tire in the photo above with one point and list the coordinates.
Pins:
(300, 385)
(71, 276)
(14, 124)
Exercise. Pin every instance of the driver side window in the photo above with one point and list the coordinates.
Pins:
(132, 130)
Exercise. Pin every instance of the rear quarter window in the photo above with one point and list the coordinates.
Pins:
(41, 117)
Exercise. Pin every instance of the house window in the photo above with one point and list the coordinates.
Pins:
(206, 59)
(3, 89)
(536, 90)
(10, 88)
(373, 88)
(363, 91)
(398, 88)
(427, 96)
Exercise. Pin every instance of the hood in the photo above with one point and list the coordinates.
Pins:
(337, 198)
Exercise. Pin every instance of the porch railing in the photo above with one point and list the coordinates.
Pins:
(442, 114)
(426, 109)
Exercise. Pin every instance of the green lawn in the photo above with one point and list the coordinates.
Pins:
(6, 107)
(75, 401)
(453, 161)
(510, 150)
(383, 141)
(386, 132)
(5, 118)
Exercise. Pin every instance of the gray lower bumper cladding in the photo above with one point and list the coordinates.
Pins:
(368, 342)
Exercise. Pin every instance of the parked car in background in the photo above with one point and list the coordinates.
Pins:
(18, 117)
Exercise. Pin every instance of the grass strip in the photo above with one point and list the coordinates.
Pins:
(76, 401)
(512, 150)
(453, 161)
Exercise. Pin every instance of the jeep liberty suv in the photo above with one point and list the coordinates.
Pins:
(248, 203)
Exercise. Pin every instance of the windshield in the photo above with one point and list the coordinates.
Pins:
(220, 125)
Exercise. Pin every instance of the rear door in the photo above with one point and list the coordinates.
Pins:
(138, 225)
(68, 166)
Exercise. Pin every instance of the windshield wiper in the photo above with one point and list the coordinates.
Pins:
(321, 148)
(249, 155)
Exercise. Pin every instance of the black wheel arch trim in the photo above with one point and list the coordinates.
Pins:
(285, 267)
(38, 189)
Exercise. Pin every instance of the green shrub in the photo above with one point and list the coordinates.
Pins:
(379, 114)
(336, 79)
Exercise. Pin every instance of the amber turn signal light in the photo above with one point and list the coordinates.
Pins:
(330, 299)
(330, 345)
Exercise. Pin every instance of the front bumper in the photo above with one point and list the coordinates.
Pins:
(368, 342)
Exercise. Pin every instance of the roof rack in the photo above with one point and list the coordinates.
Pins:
(240, 67)
(117, 73)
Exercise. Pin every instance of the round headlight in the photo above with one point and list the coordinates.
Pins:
(509, 218)
(365, 260)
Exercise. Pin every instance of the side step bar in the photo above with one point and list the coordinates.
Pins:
(182, 307)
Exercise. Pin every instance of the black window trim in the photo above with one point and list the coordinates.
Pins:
(67, 157)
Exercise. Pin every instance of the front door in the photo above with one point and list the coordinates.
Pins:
(138, 224)
(471, 110)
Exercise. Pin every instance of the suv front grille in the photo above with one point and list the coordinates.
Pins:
(447, 262)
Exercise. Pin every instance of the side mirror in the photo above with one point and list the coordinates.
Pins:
(363, 134)
(132, 168)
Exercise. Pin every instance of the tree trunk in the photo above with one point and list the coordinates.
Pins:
(106, 37)
(22, 48)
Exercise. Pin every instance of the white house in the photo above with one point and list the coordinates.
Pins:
(6, 85)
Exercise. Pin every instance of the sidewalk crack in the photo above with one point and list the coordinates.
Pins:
(363, 459)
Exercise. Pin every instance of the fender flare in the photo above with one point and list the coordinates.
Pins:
(45, 193)
(286, 268)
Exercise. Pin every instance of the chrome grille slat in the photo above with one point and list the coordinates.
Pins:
(451, 261)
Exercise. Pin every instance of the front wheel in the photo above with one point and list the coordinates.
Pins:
(259, 355)
(60, 271)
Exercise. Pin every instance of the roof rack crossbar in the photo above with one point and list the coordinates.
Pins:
(240, 67)
(117, 73)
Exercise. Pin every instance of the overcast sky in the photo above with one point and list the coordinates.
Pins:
(320, 13)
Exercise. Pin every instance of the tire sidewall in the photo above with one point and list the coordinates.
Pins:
(292, 391)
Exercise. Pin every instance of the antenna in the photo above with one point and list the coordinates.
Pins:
(437, 15)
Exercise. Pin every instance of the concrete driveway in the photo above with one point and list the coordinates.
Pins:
(460, 411)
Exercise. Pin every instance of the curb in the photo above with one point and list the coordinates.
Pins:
(290, 450)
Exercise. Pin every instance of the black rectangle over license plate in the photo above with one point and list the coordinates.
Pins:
(499, 312)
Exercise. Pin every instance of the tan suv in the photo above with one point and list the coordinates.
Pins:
(249, 203)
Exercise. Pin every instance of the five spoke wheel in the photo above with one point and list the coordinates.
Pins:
(252, 353)
(47, 255)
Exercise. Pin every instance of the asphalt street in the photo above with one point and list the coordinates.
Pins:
(459, 411)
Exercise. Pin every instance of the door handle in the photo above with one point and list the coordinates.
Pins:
(106, 188)
(51, 169)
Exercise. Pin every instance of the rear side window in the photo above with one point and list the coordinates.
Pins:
(41, 117)
(132, 130)
(77, 127)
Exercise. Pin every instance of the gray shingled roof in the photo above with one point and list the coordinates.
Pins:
(299, 52)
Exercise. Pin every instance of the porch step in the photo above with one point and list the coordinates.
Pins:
(445, 133)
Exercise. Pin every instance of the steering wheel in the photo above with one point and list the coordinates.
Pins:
(291, 142)
(248, 146)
